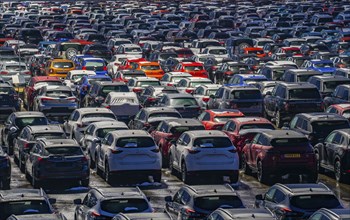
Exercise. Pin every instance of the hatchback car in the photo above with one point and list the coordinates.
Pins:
(216, 119)
(239, 213)
(330, 214)
(59, 67)
(185, 104)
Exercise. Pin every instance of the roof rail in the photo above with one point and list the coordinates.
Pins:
(191, 188)
(284, 186)
(324, 185)
(229, 187)
(140, 191)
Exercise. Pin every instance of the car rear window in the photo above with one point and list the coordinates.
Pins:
(246, 94)
(63, 65)
(101, 133)
(328, 126)
(97, 115)
(214, 202)
(65, 151)
(22, 122)
(165, 114)
(94, 64)
(183, 102)
(23, 207)
(147, 83)
(223, 118)
(331, 85)
(7, 90)
(287, 142)
(107, 89)
(315, 202)
(58, 93)
(216, 142)
(181, 129)
(56, 135)
(124, 205)
(16, 68)
(138, 142)
(304, 94)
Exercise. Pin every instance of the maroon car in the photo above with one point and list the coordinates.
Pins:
(279, 152)
(168, 131)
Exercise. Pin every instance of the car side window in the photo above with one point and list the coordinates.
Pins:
(142, 116)
(219, 93)
(110, 140)
(256, 138)
(269, 195)
(337, 139)
(186, 139)
(205, 117)
(263, 140)
(177, 196)
(278, 196)
(185, 198)
(332, 110)
(345, 95)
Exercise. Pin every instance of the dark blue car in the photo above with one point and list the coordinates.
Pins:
(85, 83)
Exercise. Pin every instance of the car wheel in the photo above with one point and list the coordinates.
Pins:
(5, 183)
(85, 182)
(245, 167)
(171, 165)
(92, 163)
(262, 175)
(185, 177)
(339, 176)
(157, 178)
(313, 177)
(318, 161)
(278, 120)
(15, 159)
(165, 160)
(107, 174)
(35, 183)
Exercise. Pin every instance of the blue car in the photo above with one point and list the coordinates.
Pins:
(98, 65)
(77, 59)
(61, 36)
(322, 66)
(43, 44)
(245, 79)
(85, 83)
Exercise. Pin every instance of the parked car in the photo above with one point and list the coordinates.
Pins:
(336, 214)
(185, 104)
(5, 170)
(9, 100)
(247, 213)
(340, 109)
(135, 216)
(216, 119)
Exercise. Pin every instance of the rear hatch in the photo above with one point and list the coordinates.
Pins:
(304, 100)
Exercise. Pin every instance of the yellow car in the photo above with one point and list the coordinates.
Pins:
(59, 67)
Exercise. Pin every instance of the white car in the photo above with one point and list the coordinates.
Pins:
(129, 152)
(74, 76)
(116, 61)
(172, 78)
(188, 85)
(204, 152)
(217, 52)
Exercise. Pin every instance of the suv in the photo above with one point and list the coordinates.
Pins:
(5, 170)
(197, 202)
(316, 126)
(238, 213)
(57, 159)
(279, 152)
(21, 201)
(330, 214)
(288, 99)
(59, 67)
(204, 152)
(299, 75)
(340, 95)
(327, 84)
(128, 152)
(105, 203)
(216, 119)
(9, 100)
(297, 201)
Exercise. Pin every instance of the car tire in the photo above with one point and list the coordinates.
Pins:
(165, 161)
(234, 178)
(245, 167)
(278, 119)
(85, 182)
(261, 173)
(93, 163)
(98, 169)
(107, 174)
(158, 178)
(319, 168)
(312, 177)
(35, 183)
(171, 165)
(185, 177)
(5, 183)
(15, 159)
(339, 176)
(21, 164)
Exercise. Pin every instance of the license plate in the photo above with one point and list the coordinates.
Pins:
(292, 156)
(19, 89)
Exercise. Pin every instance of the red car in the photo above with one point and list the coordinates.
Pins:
(34, 85)
(194, 68)
(340, 109)
(169, 130)
(279, 152)
(216, 119)
(128, 63)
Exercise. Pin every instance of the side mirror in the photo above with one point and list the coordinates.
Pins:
(268, 93)
(168, 199)
(173, 142)
(52, 200)
(259, 197)
(148, 198)
(96, 140)
(77, 201)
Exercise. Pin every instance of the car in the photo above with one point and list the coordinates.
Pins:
(59, 67)
(323, 66)
(336, 214)
(128, 153)
(203, 92)
(124, 105)
(342, 72)
(18, 201)
(299, 75)
(54, 216)
(204, 152)
(57, 159)
(185, 104)
(341, 95)
(151, 94)
(216, 119)
(99, 90)
(151, 69)
(333, 153)
(82, 117)
(14, 124)
(266, 86)
(275, 72)
(172, 78)
(9, 69)
(150, 117)
(297, 201)
(125, 75)
(193, 68)
(5, 170)
(290, 150)
(198, 202)
(247, 213)
(137, 84)
(108, 202)
(84, 84)
(316, 126)
(188, 85)
(135, 216)
(27, 138)
(245, 79)
(327, 84)
(74, 76)
(288, 99)
(9, 100)
(55, 101)
(34, 84)
(340, 109)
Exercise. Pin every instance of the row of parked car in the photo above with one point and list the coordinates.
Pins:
(201, 88)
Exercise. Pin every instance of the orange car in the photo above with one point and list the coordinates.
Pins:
(129, 63)
(59, 67)
(216, 119)
(194, 68)
(255, 50)
(151, 69)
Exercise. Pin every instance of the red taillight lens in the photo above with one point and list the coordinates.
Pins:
(169, 84)
(46, 99)
(151, 99)
(137, 90)
(190, 91)
(205, 99)
(4, 72)
(109, 107)
(41, 160)
(83, 68)
(105, 68)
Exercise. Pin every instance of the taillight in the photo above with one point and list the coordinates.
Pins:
(41, 160)
(26, 145)
(96, 216)
(107, 106)
(169, 84)
(116, 64)
(189, 211)
(46, 99)
(4, 72)
(137, 90)
(155, 150)
(115, 151)
(151, 99)
(83, 68)
(191, 151)
(105, 68)
(190, 91)
(205, 99)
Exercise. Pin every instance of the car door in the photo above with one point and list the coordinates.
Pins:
(10, 122)
(179, 148)
(69, 124)
(174, 206)
(332, 147)
(322, 149)
(205, 119)
(253, 147)
(88, 203)
(20, 142)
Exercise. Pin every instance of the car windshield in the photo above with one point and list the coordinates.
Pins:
(346, 113)
(246, 94)
(98, 115)
(124, 205)
(56, 135)
(315, 202)
(117, 88)
(58, 94)
(181, 129)
(331, 85)
(101, 133)
(22, 122)
(16, 68)
(150, 67)
(147, 83)
(325, 127)
(288, 142)
(223, 118)
(165, 114)
(193, 68)
(183, 102)
(211, 203)
(63, 65)
(216, 142)
(23, 207)
(94, 64)
(259, 125)
(304, 94)
(65, 151)
(277, 74)
(139, 142)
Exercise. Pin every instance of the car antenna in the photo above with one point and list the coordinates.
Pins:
(253, 216)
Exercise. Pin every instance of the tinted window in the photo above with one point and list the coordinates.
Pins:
(214, 202)
(22, 122)
(181, 129)
(287, 142)
(304, 94)
(20, 207)
(124, 205)
(50, 135)
(328, 126)
(183, 102)
(65, 151)
(314, 202)
(263, 126)
(101, 133)
(246, 94)
(96, 115)
(135, 142)
(217, 142)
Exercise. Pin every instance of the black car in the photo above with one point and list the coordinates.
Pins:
(297, 201)
(53, 216)
(197, 202)
(16, 122)
(333, 154)
(9, 100)
(327, 84)
(25, 202)
(99, 91)
(330, 214)
(29, 35)
(316, 126)
(299, 75)
(288, 99)
(185, 104)
(242, 214)
(340, 95)
(5, 170)
(98, 50)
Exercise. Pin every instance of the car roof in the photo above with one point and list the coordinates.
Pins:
(206, 133)
(122, 94)
(45, 128)
(120, 192)
(145, 216)
(60, 88)
(59, 142)
(178, 95)
(105, 124)
(272, 134)
(251, 120)
(305, 188)
(87, 72)
(21, 194)
(332, 78)
(37, 216)
(28, 114)
(206, 190)
(321, 116)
